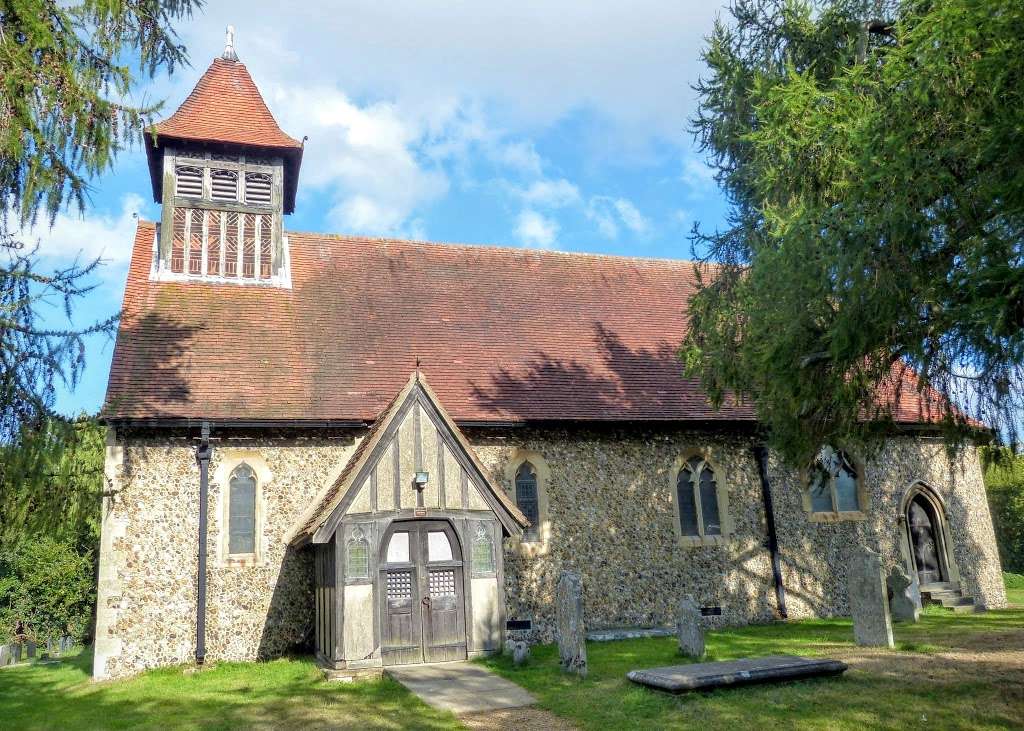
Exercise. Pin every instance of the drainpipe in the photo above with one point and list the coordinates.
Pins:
(772, 542)
(203, 452)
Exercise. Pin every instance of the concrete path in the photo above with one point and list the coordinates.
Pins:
(460, 687)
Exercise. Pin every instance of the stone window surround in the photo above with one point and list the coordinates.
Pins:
(721, 491)
(944, 534)
(538, 546)
(832, 516)
(228, 460)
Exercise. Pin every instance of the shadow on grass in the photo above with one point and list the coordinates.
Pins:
(893, 689)
(286, 693)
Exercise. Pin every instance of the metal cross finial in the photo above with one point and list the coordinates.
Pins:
(229, 45)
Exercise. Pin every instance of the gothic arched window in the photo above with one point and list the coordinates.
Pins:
(242, 510)
(834, 484)
(697, 499)
(527, 500)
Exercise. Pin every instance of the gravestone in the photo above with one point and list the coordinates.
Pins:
(30, 650)
(51, 647)
(66, 643)
(572, 635)
(6, 655)
(689, 630)
(520, 653)
(869, 601)
(906, 597)
(16, 652)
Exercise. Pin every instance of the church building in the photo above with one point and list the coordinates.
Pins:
(386, 451)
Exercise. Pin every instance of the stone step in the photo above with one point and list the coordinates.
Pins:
(940, 586)
(957, 601)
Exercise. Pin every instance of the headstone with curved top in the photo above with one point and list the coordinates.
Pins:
(572, 635)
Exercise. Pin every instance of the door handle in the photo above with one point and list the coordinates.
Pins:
(425, 601)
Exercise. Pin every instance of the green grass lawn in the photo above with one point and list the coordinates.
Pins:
(279, 694)
(909, 687)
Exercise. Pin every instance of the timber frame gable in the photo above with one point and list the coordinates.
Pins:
(418, 402)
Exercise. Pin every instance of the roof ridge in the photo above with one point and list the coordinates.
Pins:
(500, 247)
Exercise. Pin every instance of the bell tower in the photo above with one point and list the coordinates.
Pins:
(225, 174)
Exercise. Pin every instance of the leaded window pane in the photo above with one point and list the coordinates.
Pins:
(231, 246)
(483, 552)
(526, 497)
(248, 246)
(266, 253)
(709, 502)
(357, 564)
(821, 491)
(687, 503)
(846, 487)
(242, 511)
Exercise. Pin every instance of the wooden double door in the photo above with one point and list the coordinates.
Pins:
(422, 595)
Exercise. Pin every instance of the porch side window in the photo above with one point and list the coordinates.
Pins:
(357, 554)
(483, 551)
(242, 511)
(526, 499)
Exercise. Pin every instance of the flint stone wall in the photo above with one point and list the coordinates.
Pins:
(611, 520)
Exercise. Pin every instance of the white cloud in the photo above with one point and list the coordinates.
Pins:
(106, 235)
(552, 193)
(366, 157)
(534, 229)
(699, 176)
(611, 213)
(631, 217)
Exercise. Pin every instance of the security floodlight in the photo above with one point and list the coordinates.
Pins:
(421, 479)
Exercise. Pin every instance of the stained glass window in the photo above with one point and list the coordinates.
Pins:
(526, 498)
(483, 551)
(242, 510)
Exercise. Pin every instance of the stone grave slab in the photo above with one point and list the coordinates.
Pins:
(710, 675)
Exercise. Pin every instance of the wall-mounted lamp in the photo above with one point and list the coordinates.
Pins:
(420, 480)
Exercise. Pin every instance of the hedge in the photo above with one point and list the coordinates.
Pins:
(1004, 482)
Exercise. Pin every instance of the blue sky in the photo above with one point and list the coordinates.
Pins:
(560, 126)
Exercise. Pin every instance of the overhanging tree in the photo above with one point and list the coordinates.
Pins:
(872, 154)
(66, 76)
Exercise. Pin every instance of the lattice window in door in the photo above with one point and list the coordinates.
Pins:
(399, 585)
(442, 583)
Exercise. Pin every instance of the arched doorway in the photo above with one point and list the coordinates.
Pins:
(926, 537)
(422, 593)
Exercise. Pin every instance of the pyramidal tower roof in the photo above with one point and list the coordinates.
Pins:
(225, 110)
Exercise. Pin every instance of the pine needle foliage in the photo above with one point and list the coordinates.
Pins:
(67, 71)
(871, 153)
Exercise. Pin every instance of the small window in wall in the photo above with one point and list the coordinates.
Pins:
(224, 185)
(188, 181)
(242, 510)
(697, 499)
(483, 551)
(398, 548)
(357, 556)
(834, 483)
(527, 500)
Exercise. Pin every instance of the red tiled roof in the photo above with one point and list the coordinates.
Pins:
(502, 334)
(225, 106)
